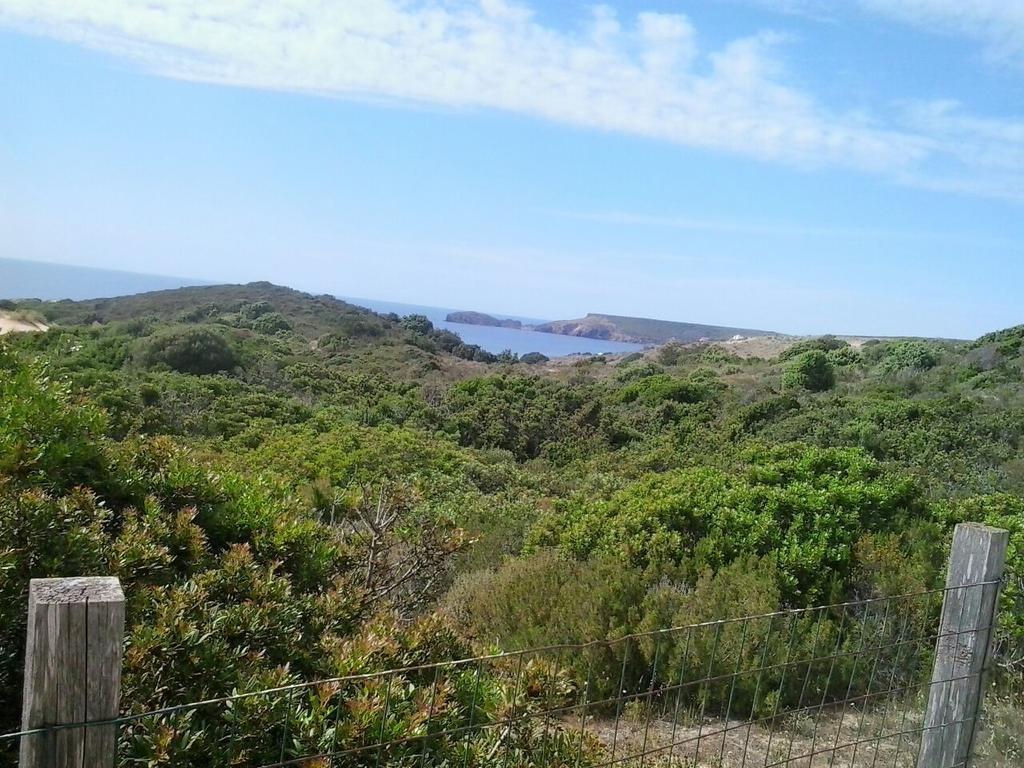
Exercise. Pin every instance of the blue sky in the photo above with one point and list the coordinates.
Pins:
(797, 165)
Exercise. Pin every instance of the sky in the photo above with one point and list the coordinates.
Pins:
(796, 165)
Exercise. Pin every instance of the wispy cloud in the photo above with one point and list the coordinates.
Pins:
(968, 154)
(997, 24)
(646, 75)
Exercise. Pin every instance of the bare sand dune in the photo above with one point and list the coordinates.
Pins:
(12, 324)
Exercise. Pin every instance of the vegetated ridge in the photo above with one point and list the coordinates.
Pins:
(642, 330)
(480, 318)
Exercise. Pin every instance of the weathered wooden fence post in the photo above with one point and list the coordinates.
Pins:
(72, 671)
(966, 631)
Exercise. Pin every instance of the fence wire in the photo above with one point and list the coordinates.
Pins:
(835, 685)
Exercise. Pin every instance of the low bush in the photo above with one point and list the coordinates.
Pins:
(196, 350)
(812, 371)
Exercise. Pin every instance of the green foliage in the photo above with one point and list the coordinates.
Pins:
(820, 344)
(44, 438)
(661, 387)
(534, 358)
(519, 415)
(751, 418)
(638, 370)
(907, 356)
(418, 324)
(1008, 341)
(810, 370)
(844, 356)
(187, 350)
(804, 507)
(546, 599)
(214, 566)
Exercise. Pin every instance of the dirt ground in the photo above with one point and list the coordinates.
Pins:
(866, 740)
(887, 737)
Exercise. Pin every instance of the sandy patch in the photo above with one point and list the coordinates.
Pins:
(10, 324)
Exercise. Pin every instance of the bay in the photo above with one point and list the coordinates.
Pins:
(499, 339)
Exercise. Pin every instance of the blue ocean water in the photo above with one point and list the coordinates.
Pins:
(499, 339)
(52, 282)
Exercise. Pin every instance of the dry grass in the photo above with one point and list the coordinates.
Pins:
(1000, 739)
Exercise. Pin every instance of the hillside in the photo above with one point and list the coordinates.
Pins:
(310, 316)
(222, 448)
(643, 330)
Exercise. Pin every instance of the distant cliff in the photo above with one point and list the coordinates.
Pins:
(479, 318)
(642, 330)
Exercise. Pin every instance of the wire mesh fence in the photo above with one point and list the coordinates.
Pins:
(844, 684)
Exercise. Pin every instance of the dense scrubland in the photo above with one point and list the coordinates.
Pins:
(291, 488)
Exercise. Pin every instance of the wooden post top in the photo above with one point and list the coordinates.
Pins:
(982, 528)
(77, 589)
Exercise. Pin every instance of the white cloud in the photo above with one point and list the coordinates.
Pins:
(642, 76)
(997, 24)
(967, 154)
(645, 75)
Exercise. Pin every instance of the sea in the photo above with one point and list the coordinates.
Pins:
(499, 339)
(52, 282)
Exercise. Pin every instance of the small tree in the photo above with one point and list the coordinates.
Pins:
(811, 371)
(402, 549)
(908, 355)
(419, 324)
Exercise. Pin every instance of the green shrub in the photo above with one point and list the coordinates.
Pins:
(907, 355)
(547, 599)
(271, 323)
(807, 507)
(417, 324)
(751, 418)
(811, 371)
(534, 358)
(820, 344)
(844, 356)
(657, 388)
(196, 350)
(518, 414)
(1008, 341)
(639, 370)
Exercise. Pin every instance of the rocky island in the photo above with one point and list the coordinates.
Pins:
(479, 318)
